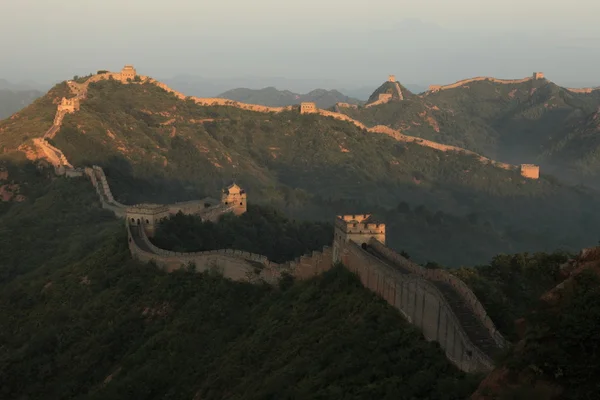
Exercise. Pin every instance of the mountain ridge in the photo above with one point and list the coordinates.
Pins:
(80, 91)
(271, 96)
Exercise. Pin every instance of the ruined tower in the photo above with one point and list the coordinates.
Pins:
(392, 78)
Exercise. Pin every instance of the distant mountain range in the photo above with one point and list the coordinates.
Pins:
(272, 97)
(13, 101)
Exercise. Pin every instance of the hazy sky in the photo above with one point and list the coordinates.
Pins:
(351, 41)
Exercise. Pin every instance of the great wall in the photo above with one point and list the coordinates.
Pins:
(534, 77)
(129, 76)
(435, 301)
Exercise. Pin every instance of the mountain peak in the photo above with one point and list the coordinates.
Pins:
(391, 90)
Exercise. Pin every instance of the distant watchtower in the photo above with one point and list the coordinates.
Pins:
(128, 72)
(538, 75)
(530, 171)
(308, 108)
(234, 196)
(356, 228)
(69, 105)
(392, 78)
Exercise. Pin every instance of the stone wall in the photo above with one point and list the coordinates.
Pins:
(421, 303)
(233, 264)
(383, 98)
(441, 275)
(582, 90)
(81, 90)
(435, 88)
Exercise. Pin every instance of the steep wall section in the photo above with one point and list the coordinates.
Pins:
(422, 303)
(440, 275)
(53, 155)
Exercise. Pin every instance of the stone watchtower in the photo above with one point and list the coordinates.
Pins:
(530, 171)
(356, 228)
(69, 105)
(308, 108)
(148, 216)
(235, 197)
(538, 75)
(392, 78)
(127, 73)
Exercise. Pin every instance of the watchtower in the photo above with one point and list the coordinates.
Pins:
(538, 75)
(530, 171)
(148, 216)
(391, 78)
(235, 197)
(356, 228)
(435, 88)
(308, 108)
(69, 105)
(128, 72)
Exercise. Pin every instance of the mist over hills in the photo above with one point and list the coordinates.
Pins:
(12, 101)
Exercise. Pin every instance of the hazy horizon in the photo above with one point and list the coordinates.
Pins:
(347, 44)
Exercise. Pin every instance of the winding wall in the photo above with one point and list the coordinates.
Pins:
(440, 304)
(435, 88)
(81, 90)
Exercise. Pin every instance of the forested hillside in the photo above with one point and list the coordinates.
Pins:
(80, 318)
(157, 148)
(529, 122)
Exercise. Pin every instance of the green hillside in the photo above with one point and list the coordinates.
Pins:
(155, 147)
(520, 123)
(81, 319)
(33, 120)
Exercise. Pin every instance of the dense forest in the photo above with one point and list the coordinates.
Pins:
(114, 328)
(261, 230)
